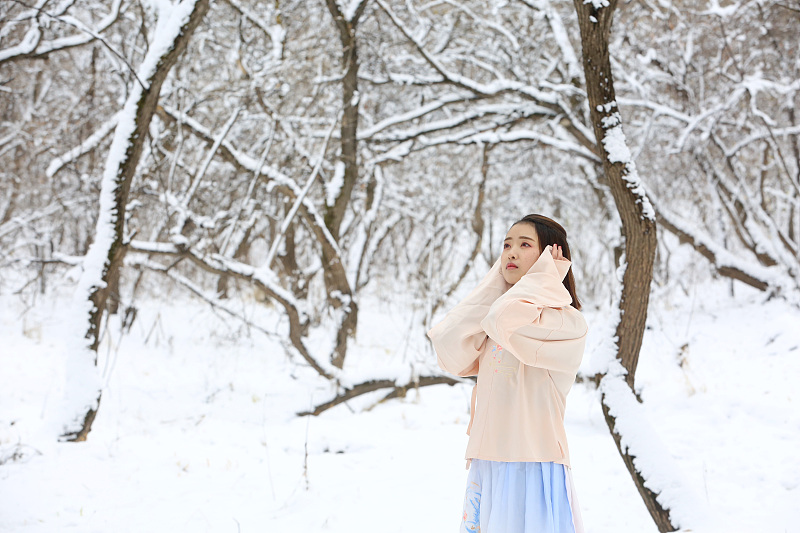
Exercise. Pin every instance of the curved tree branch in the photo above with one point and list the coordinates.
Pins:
(378, 384)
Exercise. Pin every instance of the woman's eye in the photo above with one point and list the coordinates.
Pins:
(526, 244)
(505, 245)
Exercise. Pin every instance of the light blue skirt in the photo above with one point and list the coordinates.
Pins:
(520, 497)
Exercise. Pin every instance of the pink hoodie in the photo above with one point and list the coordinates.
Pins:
(525, 343)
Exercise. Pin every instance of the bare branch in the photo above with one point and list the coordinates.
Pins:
(378, 384)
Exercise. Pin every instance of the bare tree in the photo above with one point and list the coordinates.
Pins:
(638, 230)
(105, 257)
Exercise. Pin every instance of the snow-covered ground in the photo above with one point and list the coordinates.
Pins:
(196, 430)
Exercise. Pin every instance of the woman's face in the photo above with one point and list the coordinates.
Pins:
(520, 252)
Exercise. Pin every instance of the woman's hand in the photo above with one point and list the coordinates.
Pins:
(557, 252)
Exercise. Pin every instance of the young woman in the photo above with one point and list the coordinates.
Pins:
(520, 331)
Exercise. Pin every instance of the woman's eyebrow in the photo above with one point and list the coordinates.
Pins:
(522, 237)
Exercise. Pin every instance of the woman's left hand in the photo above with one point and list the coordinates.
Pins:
(557, 252)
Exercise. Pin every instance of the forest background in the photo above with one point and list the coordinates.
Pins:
(308, 185)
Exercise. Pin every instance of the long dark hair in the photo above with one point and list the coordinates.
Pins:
(550, 232)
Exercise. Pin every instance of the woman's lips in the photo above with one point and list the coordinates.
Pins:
(510, 266)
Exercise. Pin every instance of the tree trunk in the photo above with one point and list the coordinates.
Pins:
(635, 211)
(335, 280)
(108, 249)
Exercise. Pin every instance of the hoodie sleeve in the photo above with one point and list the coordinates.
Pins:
(535, 321)
(459, 338)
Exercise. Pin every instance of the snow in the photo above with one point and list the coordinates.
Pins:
(32, 43)
(525, 134)
(359, 257)
(89, 144)
(349, 8)
(560, 35)
(618, 152)
(247, 162)
(494, 87)
(478, 111)
(197, 431)
(662, 476)
(334, 186)
(26, 46)
(368, 133)
(480, 20)
(275, 32)
(597, 4)
(722, 12)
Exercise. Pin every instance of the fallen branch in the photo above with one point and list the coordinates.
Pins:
(378, 384)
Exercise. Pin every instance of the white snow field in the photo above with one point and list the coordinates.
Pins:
(196, 430)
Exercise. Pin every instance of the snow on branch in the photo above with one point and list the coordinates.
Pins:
(391, 77)
(55, 205)
(513, 110)
(698, 119)
(210, 155)
(399, 151)
(658, 109)
(273, 249)
(486, 22)
(166, 32)
(773, 132)
(265, 279)
(617, 149)
(219, 264)
(531, 135)
(719, 11)
(83, 148)
(32, 45)
(695, 122)
(597, 4)
(368, 133)
(787, 251)
(637, 440)
(494, 88)
(351, 9)
(275, 32)
(725, 263)
(250, 164)
(560, 35)
(640, 440)
(552, 97)
(32, 37)
(209, 297)
(84, 386)
(241, 159)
